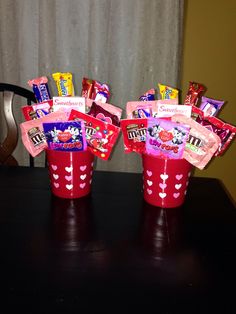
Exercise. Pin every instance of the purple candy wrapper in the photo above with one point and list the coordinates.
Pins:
(65, 136)
(210, 106)
(166, 138)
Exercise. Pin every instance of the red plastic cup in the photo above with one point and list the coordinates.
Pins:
(165, 181)
(70, 173)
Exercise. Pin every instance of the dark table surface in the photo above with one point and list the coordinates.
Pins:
(111, 252)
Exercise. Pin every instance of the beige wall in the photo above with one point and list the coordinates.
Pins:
(209, 57)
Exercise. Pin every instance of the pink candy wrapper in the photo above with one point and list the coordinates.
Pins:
(139, 109)
(201, 144)
(32, 133)
(145, 109)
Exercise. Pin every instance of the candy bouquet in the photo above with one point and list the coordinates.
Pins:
(71, 129)
(172, 138)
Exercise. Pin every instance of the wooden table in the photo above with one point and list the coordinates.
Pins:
(112, 252)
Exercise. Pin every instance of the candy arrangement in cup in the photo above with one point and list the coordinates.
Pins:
(70, 123)
(166, 129)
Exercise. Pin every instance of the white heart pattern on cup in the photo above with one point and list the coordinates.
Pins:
(162, 195)
(54, 167)
(149, 182)
(149, 173)
(179, 176)
(178, 186)
(69, 169)
(56, 184)
(164, 176)
(162, 185)
(83, 168)
(69, 186)
(176, 195)
(68, 178)
(83, 176)
(55, 176)
(149, 191)
(82, 185)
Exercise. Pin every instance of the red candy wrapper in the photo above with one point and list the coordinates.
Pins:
(108, 107)
(134, 134)
(100, 136)
(87, 88)
(193, 94)
(98, 112)
(196, 112)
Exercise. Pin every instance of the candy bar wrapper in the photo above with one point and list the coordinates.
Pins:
(167, 111)
(196, 112)
(108, 107)
(139, 109)
(134, 134)
(149, 95)
(101, 136)
(98, 112)
(95, 90)
(87, 88)
(168, 92)
(166, 138)
(64, 83)
(225, 131)
(201, 144)
(101, 92)
(69, 103)
(65, 136)
(210, 106)
(40, 88)
(38, 110)
(193, 94)
(32, 133)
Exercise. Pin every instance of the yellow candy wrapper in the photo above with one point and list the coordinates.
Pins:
(64, 83)
(168, 92)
